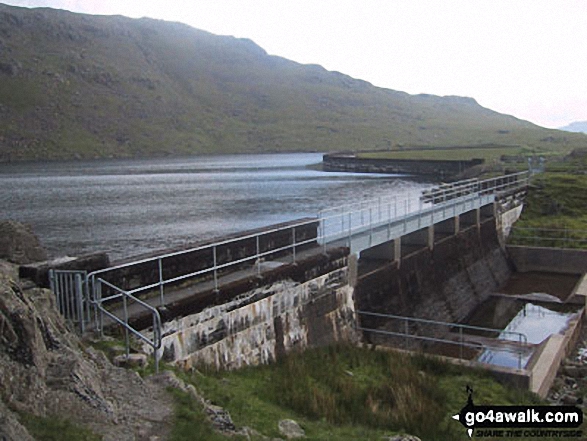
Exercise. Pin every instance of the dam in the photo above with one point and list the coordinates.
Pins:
(249, 299)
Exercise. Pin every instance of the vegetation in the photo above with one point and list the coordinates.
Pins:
(350, 393)
(56, 429)
(555, 208)
(78, 86)
(190, 422)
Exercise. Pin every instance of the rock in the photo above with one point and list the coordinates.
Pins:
(10, 427)
(220, 418)
(569, 398)
(45, 371)
(291, 429)
(574, 371)
(402, 438)
(18, 243)
(132, 361)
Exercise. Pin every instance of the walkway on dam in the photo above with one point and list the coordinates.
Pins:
(133, 289)
(198, 288)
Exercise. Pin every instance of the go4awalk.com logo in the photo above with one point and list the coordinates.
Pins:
(520, 421)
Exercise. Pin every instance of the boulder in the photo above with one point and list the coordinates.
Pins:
(402, 438)
(132, 361)
(19, 244)
(291, 429)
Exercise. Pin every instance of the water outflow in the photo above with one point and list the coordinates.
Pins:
(537, 323)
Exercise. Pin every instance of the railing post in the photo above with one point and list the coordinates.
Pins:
(161, 293)
(156, 338)
(406, 332)
(79, 299)
(293, 238)
(370, 225)
(258, 260)
(126, 337)
(350, 228)
(461, 342)
(379, 201)
(99, 303)
(214, 257)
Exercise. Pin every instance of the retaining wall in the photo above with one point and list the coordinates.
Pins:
(261, 324)
(444, 283)
(439, 168)
(557, 260)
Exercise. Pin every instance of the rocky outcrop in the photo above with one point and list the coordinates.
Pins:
(47, 371)
(18, 243)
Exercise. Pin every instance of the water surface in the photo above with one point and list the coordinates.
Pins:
(130, 207)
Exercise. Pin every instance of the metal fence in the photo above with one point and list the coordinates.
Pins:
(70, 289)
(548, 237)
(416, 329)
(125, 297)
(348, 220)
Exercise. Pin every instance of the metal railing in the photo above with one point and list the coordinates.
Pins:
(124, 296)
(216, 267)
(518, 345)
(348, 220)
(331, 225)
(548, 237)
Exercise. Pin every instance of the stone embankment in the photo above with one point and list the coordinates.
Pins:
(570, 384)
(436, 169)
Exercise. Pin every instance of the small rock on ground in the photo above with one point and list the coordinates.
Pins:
(291, 429)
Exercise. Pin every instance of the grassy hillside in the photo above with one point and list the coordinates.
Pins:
(555, 210)
(350, 393)
(75, 86)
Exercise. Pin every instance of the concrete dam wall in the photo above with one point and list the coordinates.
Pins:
(443, 169)
(311, 306)
(443, 283)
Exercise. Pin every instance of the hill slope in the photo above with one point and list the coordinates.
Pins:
(75, 85)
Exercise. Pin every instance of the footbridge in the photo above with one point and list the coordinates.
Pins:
(144, 294)
(367, 224)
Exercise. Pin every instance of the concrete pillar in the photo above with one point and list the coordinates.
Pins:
(353, 265)
(397, 250)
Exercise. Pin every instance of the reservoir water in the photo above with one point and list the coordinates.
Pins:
(130, 207)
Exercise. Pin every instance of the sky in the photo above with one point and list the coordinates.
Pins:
(526, 58)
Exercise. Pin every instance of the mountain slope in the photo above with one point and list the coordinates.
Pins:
(75, 85)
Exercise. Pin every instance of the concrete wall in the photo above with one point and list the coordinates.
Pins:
(185, 263)
(442, 169)
(551, 354)
(444, 283)
(264, 323)
(557, 260)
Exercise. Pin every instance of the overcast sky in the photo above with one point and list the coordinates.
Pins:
(527, 58)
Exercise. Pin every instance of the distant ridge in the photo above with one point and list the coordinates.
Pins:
(578, 126)
(81, 86)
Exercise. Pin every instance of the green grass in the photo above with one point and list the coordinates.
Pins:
(556, 200)
(56, 429)
(490, 153)
(349, 393)
(190, 422)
